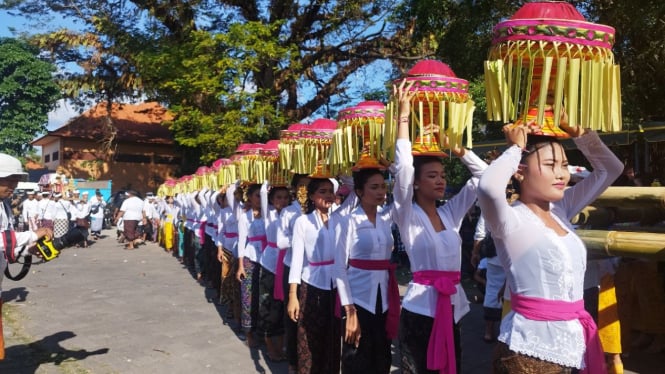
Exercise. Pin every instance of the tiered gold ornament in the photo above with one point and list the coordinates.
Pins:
(168, 188)
(247, 160)
(291, 150)
(358, 140)
(275, 175)
(548, 60)
(316, 140)
(225, 172)
(441, 105)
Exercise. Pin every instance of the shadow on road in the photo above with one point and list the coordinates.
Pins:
(27, 358)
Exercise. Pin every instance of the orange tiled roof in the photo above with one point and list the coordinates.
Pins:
(135, 123)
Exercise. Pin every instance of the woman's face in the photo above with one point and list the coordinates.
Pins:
(374, 191)
(544, 175)
(280, 198)
(221, 200)
(431, 183)
(323, 197)
(255, 199)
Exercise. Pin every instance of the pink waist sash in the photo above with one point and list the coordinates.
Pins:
(278, 289)
(230, 235)
(537, 309)
(259, 238)
(392, 318)
(441, 346)
(322, 263)
(212, 225)
(202, 232)
(272, 244)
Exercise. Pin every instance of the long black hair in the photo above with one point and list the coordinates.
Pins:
(312, 187)
(361, 177)
(533, 144)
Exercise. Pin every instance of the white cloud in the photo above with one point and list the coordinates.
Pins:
(63, 113)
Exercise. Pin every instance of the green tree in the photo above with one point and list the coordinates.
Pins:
(231, 70)
(639, 48)
(27, 93)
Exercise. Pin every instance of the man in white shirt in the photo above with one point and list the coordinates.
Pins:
(132, 213)
(44, 204)
(30, 211)
(151, 225)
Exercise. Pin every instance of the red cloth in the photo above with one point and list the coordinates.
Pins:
(441, 346)
(278, 292)
(202, 232)
(392, 318)
(537, 309)
(259, 238)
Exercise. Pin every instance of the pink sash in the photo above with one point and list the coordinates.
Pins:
(441, 346)
(322, 263)
(537, 309)
(338, 304)
(202, 232)
(392, 318)
(278, 292)
(259, 238)
(230, 235)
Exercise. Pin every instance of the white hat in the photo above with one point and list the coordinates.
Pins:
(76, 192)
(11, 166)
(30, 192)
(57, 194)
(45, 193)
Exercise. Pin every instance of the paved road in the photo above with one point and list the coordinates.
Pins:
(107, 310)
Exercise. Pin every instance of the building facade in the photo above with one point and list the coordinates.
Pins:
(131, 147)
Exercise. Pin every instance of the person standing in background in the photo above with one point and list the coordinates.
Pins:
(30, 211)
(97, 207)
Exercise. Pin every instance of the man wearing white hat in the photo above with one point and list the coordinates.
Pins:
(30, 211)
(13, 244)
(61, 214)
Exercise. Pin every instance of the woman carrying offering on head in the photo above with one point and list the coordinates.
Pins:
(547, 329)
(434, 302)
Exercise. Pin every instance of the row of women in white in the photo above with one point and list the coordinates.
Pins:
(322, 253)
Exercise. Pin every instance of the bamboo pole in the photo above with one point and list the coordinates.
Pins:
(624, 243)
(633, 197)
(600, 216)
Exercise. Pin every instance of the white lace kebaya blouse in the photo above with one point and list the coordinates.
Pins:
(428, 249)
(272, 222)
(285, 231)
(313, 242)
(249, 230)
(359, 239)
(538, 262)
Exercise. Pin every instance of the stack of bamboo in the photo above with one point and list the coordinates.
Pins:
(635, 215)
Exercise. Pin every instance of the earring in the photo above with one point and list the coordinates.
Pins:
(415, 187)
(520, 178)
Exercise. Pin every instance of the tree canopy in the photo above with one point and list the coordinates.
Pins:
(239, 71)
(27, 93)
(231, 70)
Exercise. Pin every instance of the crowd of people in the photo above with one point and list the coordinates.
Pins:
(306, 268)
(63, 211)
(311, 277)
